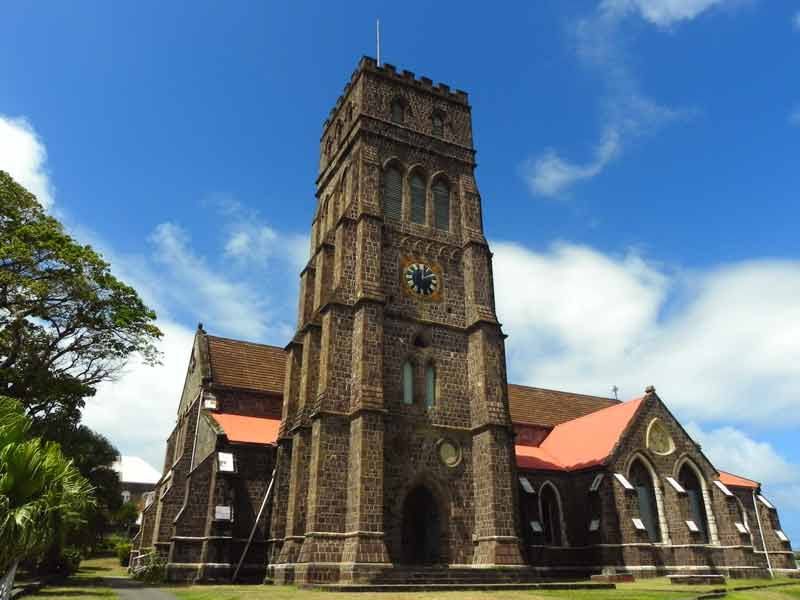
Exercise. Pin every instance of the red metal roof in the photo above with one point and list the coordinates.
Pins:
(583, 442)
(732, 480)
(250, 430)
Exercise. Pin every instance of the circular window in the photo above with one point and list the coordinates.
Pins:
(658, 438)
(449, 453)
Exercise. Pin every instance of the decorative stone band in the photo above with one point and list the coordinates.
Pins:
(348, 534)
(665, 546)
(188, 538)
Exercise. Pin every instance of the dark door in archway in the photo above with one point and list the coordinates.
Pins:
(421, 528)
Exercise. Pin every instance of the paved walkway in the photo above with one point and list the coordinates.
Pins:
(130, 589)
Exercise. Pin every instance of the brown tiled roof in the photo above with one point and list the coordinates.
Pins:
(246, 365)
(548, 408)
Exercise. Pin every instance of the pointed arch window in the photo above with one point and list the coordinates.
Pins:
(551, 516)
(392, 194)
(437, 124)
(694, 495)
(408, 383)
(430, 385)
(398, 111)
(441, 206)
(417, 200)
(642, 480)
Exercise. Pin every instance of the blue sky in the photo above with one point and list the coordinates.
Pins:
(638, 163)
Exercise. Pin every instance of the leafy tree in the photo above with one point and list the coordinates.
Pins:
(41, 492)
(126, 516)
(66, 323)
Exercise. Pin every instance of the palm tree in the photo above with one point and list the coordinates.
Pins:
(40, 490)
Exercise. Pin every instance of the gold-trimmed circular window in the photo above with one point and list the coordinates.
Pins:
(449, 452)
(659, 440)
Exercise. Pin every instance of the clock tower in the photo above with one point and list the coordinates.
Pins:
(396, 447)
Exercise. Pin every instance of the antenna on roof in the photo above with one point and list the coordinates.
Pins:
(378, 38)
(615, 389)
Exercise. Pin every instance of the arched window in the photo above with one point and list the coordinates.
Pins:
(417, 200)
(551, 516)
(392, 194)
(430, 385)
(642, 480)
(694, 495)
(408, 383)
(398, 111)
(437, 124)
(441, 206)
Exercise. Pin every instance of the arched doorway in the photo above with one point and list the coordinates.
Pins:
(642, 480)
(421, 528)
(697, 506)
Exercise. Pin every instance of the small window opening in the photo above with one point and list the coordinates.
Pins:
(398, 111)
(438, 125)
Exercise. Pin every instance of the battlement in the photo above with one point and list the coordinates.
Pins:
(367, 63)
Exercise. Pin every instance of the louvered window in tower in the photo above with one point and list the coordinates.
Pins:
(392, 194)
(441, 206)
(417, 200)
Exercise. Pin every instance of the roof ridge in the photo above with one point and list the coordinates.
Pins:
(532, 387)
(227, 339)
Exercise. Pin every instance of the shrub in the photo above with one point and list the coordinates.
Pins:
(153, 570)
(123, 550)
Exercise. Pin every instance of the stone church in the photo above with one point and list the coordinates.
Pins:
(384, 443)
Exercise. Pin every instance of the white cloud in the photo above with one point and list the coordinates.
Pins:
(796, 21)
(256, 244)
(794, 117)
(734, 451)
(549, 174)
(662, 13)
(24, 157)
(137, 411)
(193, 287)
(627, 113)
(716, 345)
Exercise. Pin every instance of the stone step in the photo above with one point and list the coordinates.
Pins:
(458, 587)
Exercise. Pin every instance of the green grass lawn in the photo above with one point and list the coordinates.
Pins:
(86, 583)
(645, 589)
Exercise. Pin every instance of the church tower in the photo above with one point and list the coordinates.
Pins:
(396, 446)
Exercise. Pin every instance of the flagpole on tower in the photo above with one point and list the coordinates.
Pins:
(378, 38)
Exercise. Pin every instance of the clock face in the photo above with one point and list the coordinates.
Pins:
(421, 279)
